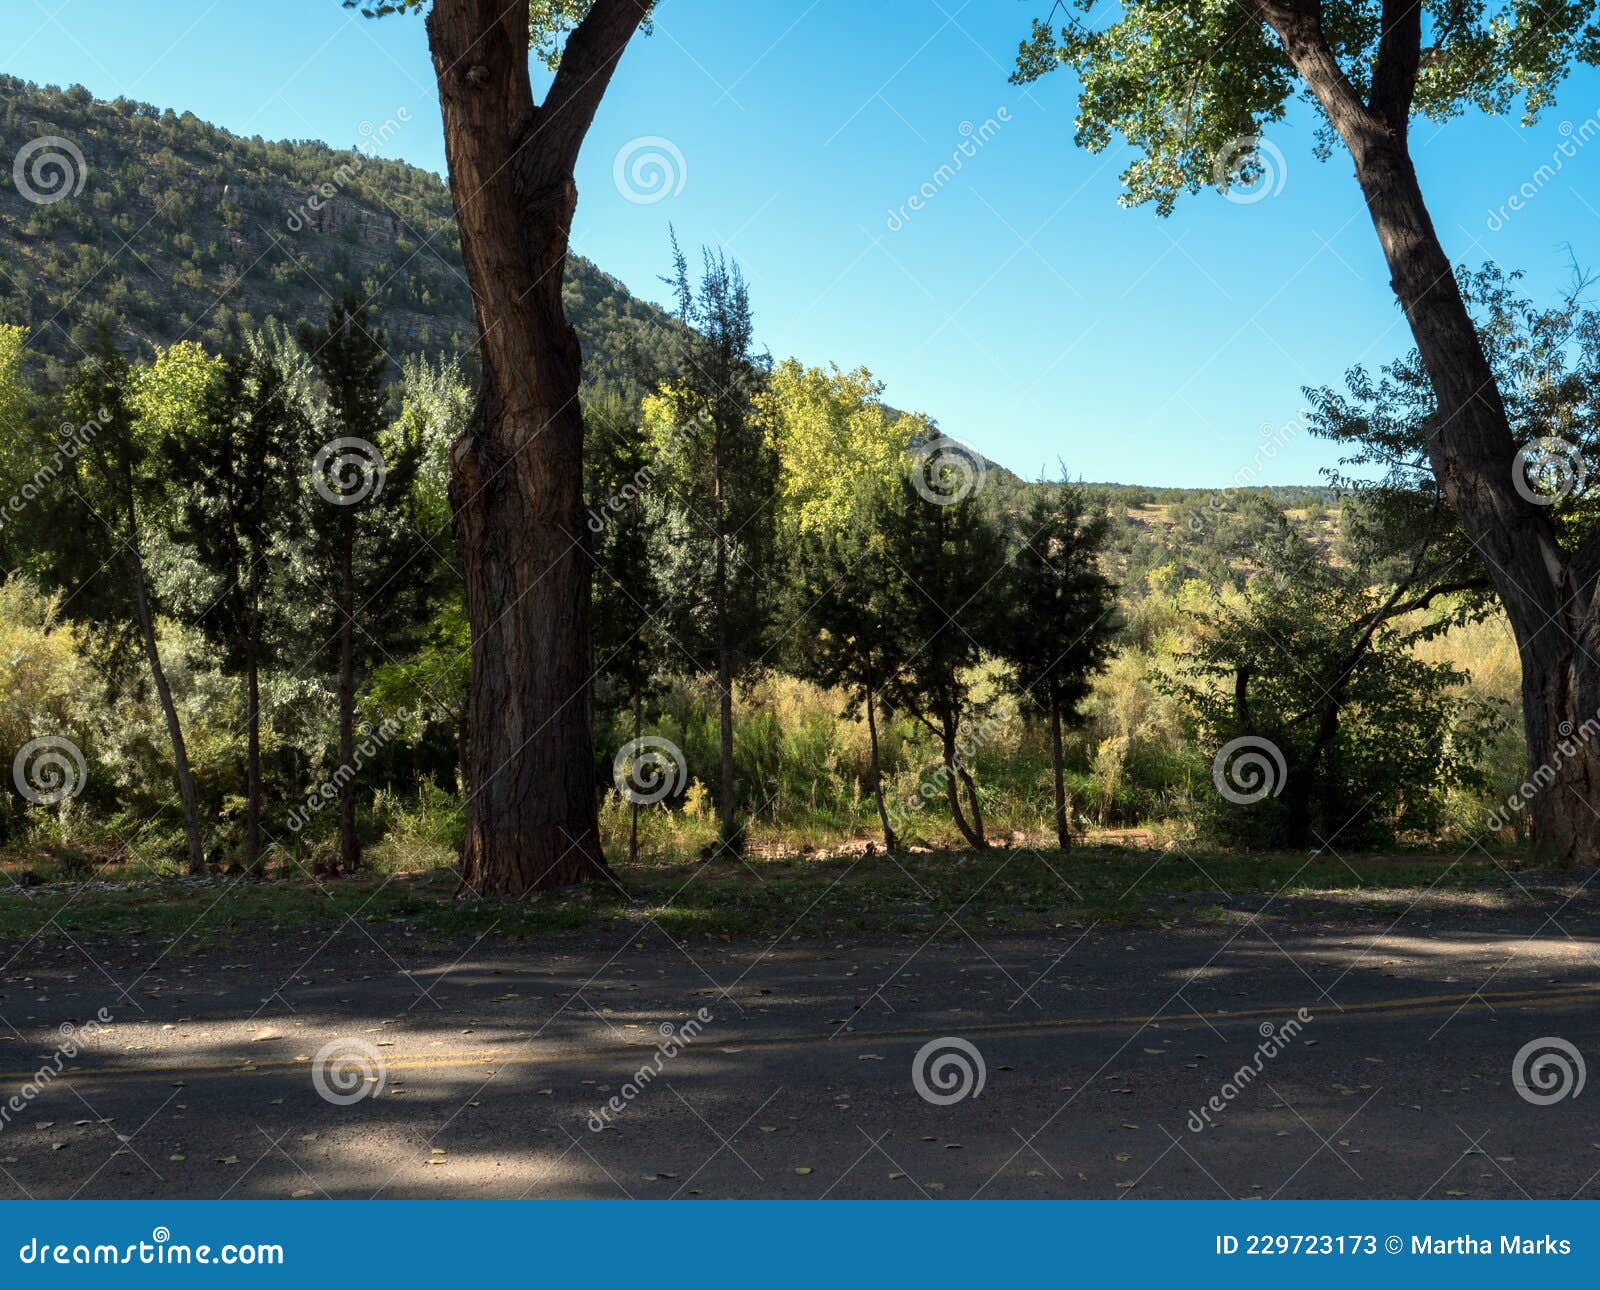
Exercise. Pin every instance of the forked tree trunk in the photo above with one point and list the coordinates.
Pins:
(169, 710)
(517, 470)
(956, 778)
(1549, 599)
(875, 774)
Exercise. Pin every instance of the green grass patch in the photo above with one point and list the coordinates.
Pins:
(924, 893)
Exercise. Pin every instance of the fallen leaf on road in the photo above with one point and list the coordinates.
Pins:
(802, 1169)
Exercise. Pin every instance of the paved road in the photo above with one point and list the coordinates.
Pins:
(480, 1073)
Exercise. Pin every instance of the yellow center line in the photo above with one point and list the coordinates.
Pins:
(1381, 1009)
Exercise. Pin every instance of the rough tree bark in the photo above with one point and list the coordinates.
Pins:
(517, 469)
(1549, 598)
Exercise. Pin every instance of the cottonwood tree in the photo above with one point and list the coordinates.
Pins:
(517, 471)
(1191, 84)
(1312, 667)
(1055, 617)
(720, 475)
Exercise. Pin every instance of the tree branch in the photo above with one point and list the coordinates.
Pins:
(590, 56)
(1394, 80)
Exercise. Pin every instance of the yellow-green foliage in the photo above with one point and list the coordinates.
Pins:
(833, 435)
(169, 393)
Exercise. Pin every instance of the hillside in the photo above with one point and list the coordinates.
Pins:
(184, 230)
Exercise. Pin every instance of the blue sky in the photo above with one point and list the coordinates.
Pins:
(1021, 307)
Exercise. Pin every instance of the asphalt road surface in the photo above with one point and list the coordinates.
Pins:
(1098, 1062)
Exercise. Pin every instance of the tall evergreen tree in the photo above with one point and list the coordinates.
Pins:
(625, 542)
(721, 469)
(1057, 620)
(356, 494)
(842, 591)
(243, 465)
(943, 556)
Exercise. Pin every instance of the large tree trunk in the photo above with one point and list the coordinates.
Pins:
(169, 710)
(1551, 605)
(349, 843)
(517, 470)
(875, 773)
